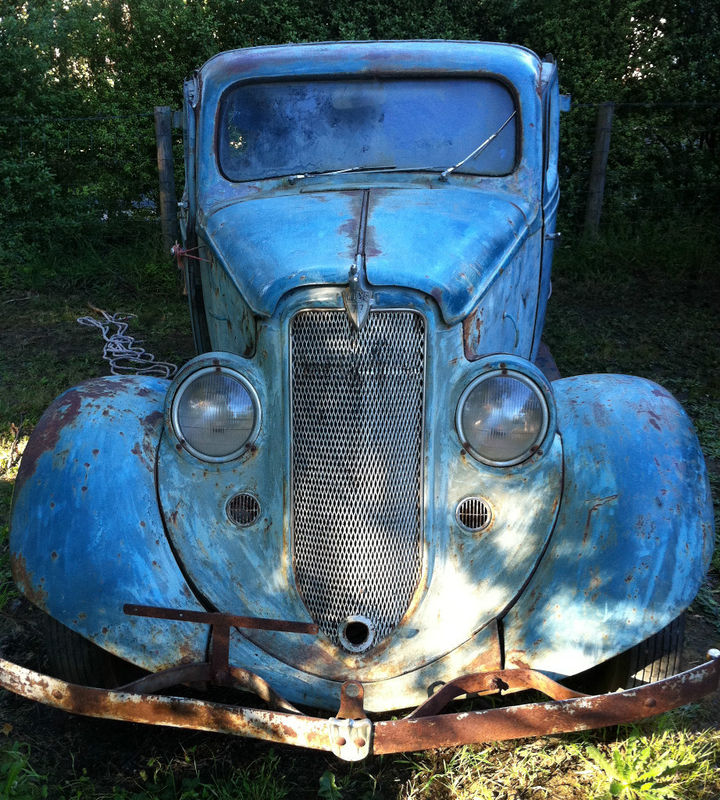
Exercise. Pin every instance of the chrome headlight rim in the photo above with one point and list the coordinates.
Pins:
(531, 377)
(187, 379)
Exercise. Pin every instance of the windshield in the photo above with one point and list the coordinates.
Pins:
(307, 126)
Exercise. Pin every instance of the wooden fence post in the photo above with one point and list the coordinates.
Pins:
(166, 171)
(593, 210)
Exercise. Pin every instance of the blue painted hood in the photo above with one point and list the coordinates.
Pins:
(447, 242)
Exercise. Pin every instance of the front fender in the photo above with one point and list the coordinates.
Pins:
(634, 534)
(86, 533)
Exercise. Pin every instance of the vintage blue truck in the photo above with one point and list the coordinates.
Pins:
(368, 491)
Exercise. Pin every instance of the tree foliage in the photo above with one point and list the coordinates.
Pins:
(66, 180)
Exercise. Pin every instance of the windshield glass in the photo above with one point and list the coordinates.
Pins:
(306, 126)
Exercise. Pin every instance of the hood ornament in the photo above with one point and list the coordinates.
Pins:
(356, 298)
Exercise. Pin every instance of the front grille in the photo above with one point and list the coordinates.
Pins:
(357, 429)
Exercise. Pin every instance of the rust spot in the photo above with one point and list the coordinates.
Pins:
(84, 488)
(518, 658)
(146, 453)
(152, 419)
(172, 516)
(595, 507)
(350, 228)
(659, 392)
(471, 338)
(602, 417)
(104, 631)
(54, 555)
(142, 524)
(654, 418)
(101, 387)
(62, 412)
(371, 246)
(24, 579)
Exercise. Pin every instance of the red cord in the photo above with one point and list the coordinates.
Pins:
(180, 252)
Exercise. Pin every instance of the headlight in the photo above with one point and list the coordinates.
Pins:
(502, 417)
(215, 413)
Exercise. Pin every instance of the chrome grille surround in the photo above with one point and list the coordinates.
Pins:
(357, 408)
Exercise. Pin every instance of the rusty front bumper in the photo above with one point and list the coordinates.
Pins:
(351, 735)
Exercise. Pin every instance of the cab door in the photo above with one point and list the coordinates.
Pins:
(550, 189)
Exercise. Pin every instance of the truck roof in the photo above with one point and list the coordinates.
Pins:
(512, 62)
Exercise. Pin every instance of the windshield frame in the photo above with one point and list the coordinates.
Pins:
(394, 75)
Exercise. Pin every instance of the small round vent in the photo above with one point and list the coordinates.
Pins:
(473, 513)
(242, 509)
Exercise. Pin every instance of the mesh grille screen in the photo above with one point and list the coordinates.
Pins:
(357, 410)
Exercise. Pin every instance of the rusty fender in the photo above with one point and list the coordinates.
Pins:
(424, 728)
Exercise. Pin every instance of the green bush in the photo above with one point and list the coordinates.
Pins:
(80, 79)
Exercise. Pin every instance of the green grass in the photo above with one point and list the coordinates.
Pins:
(666, 764)
(183, 778)
(18, 779)
(654, 762)
(646, 307)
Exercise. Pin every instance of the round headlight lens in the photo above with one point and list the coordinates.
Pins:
(215, 413)
(502, 417)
